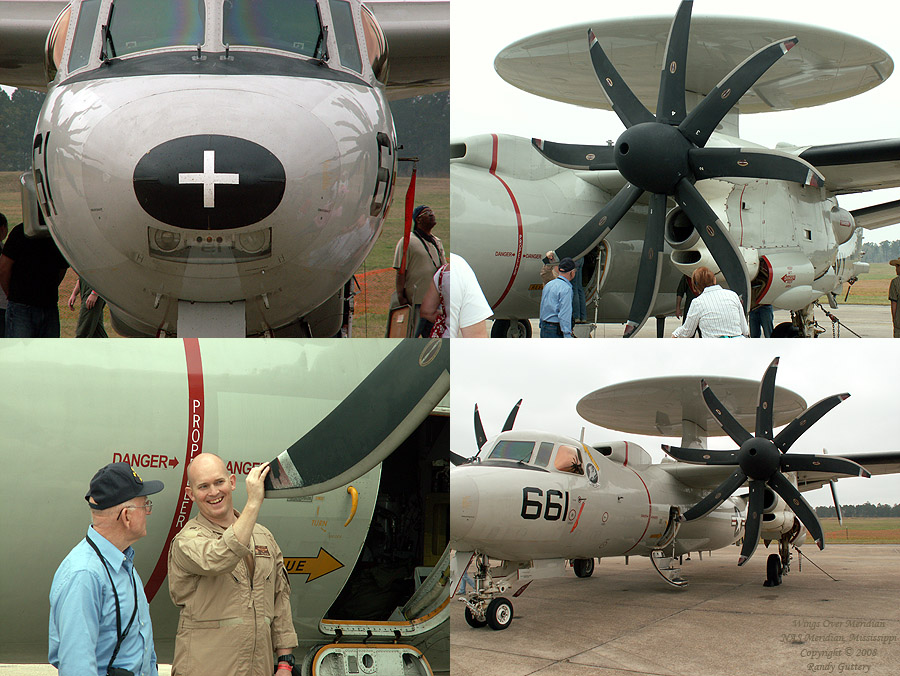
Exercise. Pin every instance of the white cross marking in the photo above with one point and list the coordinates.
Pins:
(209, 178)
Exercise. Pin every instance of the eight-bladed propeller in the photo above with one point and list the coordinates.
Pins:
(664, 155)
(761, 459)
(481, 437)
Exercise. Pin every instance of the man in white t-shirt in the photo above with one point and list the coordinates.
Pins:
(467, 307)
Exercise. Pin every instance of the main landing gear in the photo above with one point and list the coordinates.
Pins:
(779, 565)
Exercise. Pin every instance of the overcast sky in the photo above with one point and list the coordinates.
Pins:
(482, 102)
(496, 373)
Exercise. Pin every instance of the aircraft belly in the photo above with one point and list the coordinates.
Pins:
(314, 237)
(154, 404)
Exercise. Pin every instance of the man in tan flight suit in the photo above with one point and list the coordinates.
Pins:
(227, 576)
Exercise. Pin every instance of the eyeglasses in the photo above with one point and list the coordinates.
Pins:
(148, 506)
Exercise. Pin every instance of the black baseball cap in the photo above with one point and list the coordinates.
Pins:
(566, 265)
(117, 483)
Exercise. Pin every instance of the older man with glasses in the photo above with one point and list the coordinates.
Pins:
(99, 615)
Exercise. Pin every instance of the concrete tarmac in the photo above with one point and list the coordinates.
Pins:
(869, 321)
(626, 620)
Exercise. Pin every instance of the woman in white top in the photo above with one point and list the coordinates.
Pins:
(717, 312)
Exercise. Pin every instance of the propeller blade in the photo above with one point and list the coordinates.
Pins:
(670, 106)
(511, 418)
(837, 503)
(480, 436)
(651, 264)
(786, 437)
(742, 163)
(722, 492)
(726, 421)
(799, 462)
(624, 103)
(457, 459)
(726, 254)
(799, 506)
(765, 409)
(578, 157)
(753, 524)
(701, 122)
(701, 456)
(602, 222)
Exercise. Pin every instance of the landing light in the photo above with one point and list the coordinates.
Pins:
(210, 248)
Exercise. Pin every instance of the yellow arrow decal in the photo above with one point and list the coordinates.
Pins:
(322, 564)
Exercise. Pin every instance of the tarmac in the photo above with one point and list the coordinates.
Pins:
(626, 620)
(869, 321)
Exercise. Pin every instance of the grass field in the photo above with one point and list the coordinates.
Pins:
(861, 531)
(375, 276)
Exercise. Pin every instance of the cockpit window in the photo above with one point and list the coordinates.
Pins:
(288, 25)
(139, 25)
(376, 44)
(568, 460)
(80, 54)
(345, 34)
(543, 456)
(512, 450)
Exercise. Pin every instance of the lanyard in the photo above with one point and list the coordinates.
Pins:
(120, 635)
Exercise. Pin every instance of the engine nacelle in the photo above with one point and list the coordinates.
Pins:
(787, 278)
(843, 224)
(680, 232)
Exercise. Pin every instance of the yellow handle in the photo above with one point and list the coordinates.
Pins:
(354, 494)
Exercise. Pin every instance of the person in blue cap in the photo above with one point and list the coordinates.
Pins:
(556, 303)
(99, 615)
(424, 257)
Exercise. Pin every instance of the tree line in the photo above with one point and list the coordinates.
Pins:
(422, 123)
(18, 115)
(881, 252)
(865, 510)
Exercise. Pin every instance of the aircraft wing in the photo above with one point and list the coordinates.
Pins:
(857, 167)
(366, 427)
(24, 26)
(885, 462)
(709, 476)
(418, 36)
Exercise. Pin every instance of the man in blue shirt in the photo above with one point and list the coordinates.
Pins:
(556, 303)
(97, 596)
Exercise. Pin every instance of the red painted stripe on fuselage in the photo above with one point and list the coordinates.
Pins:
(194, 447)
(649, 512)
(515, 271)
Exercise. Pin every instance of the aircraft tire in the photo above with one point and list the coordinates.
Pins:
(504, 328)
(499, 613)
(473, 621)
(773, 570)
(583, 567)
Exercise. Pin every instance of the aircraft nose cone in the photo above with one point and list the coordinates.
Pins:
(463, 505)
(209, 182)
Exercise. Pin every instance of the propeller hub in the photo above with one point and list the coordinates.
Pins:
(653, 156)
(759, 458)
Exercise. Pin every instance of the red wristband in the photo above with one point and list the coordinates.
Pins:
(285, 666)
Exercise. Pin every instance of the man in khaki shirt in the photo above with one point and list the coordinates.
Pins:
(894, 297)
(424, 257)
(227, 576)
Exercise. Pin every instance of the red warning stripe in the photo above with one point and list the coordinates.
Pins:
(649, 510)
(515, 271)
(196, 405)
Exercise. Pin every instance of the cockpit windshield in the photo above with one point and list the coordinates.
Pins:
(512, 450)
(140, 25)
(288, 25)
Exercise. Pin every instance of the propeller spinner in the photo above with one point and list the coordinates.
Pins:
(762, 458)
(664, 155)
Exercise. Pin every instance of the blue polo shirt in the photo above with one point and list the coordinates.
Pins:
(556, 304)
(83, 613)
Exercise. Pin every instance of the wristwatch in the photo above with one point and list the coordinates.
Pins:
(287, 658)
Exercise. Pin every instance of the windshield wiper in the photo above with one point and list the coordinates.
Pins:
(106, 39)
(322, 40)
